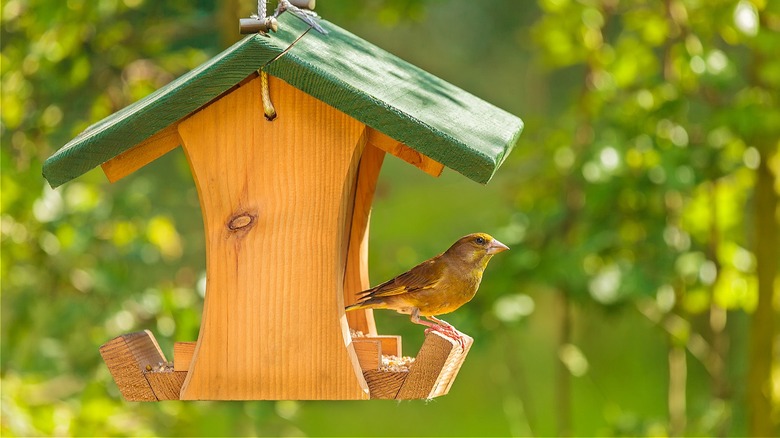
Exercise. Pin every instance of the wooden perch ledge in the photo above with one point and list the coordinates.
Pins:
(430, 375)
(142, 373)
(140, 369)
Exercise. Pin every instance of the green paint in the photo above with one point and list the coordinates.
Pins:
(375, 87)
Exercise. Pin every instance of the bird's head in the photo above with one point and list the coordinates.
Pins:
(477, 247)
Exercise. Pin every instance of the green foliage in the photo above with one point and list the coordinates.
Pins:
(629, 204)
(654, 164)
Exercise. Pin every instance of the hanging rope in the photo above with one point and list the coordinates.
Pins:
(303, 10)
(266, 24)
(261, 8)
(262, 23)
(265, 95)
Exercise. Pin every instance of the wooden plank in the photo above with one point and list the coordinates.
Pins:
(273, 322)
(385, 384)
(369, 353)
(182, 355)
(166, 384)
(400, 150)
(391, 344)
(372, 86)
(356, 277)
(127, 357)
(452, 368)
(139, 156)
(434, 368)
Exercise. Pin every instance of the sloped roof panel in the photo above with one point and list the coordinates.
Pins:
(375, 87)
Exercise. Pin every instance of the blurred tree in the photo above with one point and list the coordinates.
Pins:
(653, 162)
(70, 257)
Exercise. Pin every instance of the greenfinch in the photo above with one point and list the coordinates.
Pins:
(436, 286)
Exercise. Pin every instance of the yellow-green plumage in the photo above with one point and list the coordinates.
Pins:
(437, 286)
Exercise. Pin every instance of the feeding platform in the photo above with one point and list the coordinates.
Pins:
(286, 207)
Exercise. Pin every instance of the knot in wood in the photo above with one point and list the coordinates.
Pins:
(240, 221)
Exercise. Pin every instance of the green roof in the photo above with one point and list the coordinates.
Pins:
(354, 76)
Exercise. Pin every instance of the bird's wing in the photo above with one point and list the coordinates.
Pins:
(423, 276)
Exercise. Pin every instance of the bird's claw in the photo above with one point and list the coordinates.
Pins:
(449, 332)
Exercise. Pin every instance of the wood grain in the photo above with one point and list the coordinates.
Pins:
(166, 384)
(127, 357)
(404, 152)
(385, 384)
(452, 367)
(369, 353)
(434, 368)
(144, 153)
(391, 344)
(273, 322)
(182, 355)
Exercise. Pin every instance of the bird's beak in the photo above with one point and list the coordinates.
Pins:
(496, 247)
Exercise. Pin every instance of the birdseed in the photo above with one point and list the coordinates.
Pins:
(396, 364)
(160, 367)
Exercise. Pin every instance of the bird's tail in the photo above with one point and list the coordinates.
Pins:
(367, 303)
(357, 306)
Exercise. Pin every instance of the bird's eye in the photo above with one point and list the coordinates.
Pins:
(480, 240)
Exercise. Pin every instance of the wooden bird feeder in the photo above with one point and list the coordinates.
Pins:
(286, 207)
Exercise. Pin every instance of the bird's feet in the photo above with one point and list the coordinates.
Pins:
(438, 325)
(450, 332)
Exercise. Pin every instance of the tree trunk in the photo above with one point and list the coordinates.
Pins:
(562, 374)
(228, 13)
(762, 325)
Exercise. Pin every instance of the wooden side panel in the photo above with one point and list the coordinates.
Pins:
(369, 353)
(452, 368)
(400, 150)
(275, 198)
(388, 344)
(127, 357)
(391, 344)
(144, 153)
(166, 384)
(434, 368)
(385, 384)
(356, 277)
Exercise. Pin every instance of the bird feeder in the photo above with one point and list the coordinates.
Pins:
(286, 206)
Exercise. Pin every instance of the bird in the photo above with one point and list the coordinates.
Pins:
(436, 286)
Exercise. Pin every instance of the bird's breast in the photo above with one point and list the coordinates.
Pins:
(448, 295)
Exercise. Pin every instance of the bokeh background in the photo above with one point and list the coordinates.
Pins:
(641, 205)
